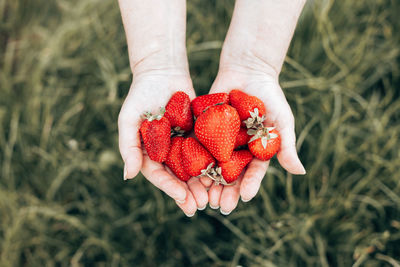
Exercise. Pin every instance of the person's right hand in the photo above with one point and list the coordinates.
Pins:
(150, 91)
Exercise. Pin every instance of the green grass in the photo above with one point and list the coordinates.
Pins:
(64, 72)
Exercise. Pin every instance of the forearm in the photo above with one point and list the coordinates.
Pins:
(155, 32)
(260, 33)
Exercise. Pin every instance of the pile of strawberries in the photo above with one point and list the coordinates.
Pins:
(229, 131)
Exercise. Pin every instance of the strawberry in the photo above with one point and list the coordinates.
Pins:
(195, 157)
(242, 138)
(174, 159)
(247, 106)
(178, 112)
(201, 103)
(231, 169)
(217, 129)
(156, 135)
(265, 143)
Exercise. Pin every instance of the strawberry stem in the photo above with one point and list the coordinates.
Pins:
(177, 131)
(255, 121)
(215, 175)
(218, 104)
(264, 133)
(150, 117)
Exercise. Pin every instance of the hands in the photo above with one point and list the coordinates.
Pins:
(251, 59)
(265, 86)
(155, 32)
(253, 53)
(150, 91)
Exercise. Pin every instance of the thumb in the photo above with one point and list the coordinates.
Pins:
(287, 154)
(220, 84)
(129, 144)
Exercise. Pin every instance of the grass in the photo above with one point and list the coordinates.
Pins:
(64, 72)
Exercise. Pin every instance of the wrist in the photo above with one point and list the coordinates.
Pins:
(246, 62)
(156, 34)
(259, 34)
(159, 58)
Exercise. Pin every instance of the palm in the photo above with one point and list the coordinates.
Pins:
(150, 93)
(278, 114)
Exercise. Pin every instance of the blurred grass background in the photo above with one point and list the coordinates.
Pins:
(63, 75)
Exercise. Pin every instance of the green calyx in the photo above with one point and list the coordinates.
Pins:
(177, 131)
(215, 174)
(256, 128)
(150, 117)
(218, 104)
(264, 133)
(255, 121)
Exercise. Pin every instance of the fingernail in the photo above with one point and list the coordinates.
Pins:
(190, 215)
(203, 208)
(303, 170)
(214, 208)
(224, 212)
(245, 200)
(180, 201)
(125, 173)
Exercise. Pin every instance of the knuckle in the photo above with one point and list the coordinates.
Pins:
(158, 179)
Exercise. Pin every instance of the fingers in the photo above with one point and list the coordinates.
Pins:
(184, 194)
(252, 179)
(159, 177)
(287, 155)
(229, 197)
(206, 181)
(214, 195)
(199, 192)
(129, 144)
(189, 207)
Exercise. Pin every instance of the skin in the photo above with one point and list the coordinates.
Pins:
(251, 60)
(157, 55)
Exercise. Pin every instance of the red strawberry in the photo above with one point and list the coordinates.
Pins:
(245, 104)
(217, 129)
(201, 103)
(265, 143)
(231, 169)
(156, 135)
(195, 157)
(242, 138)
(174, 159)
(178, 112)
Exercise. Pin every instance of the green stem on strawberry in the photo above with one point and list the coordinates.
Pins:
(255, 121)
(177, 131)
(264, 133)
(150, 117)
(256, 128)
(215, 175)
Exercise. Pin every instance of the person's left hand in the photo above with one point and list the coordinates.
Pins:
(279, 114)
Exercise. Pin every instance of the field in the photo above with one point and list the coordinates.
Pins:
(64, 73)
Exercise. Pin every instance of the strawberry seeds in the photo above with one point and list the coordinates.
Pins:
(229, 131)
